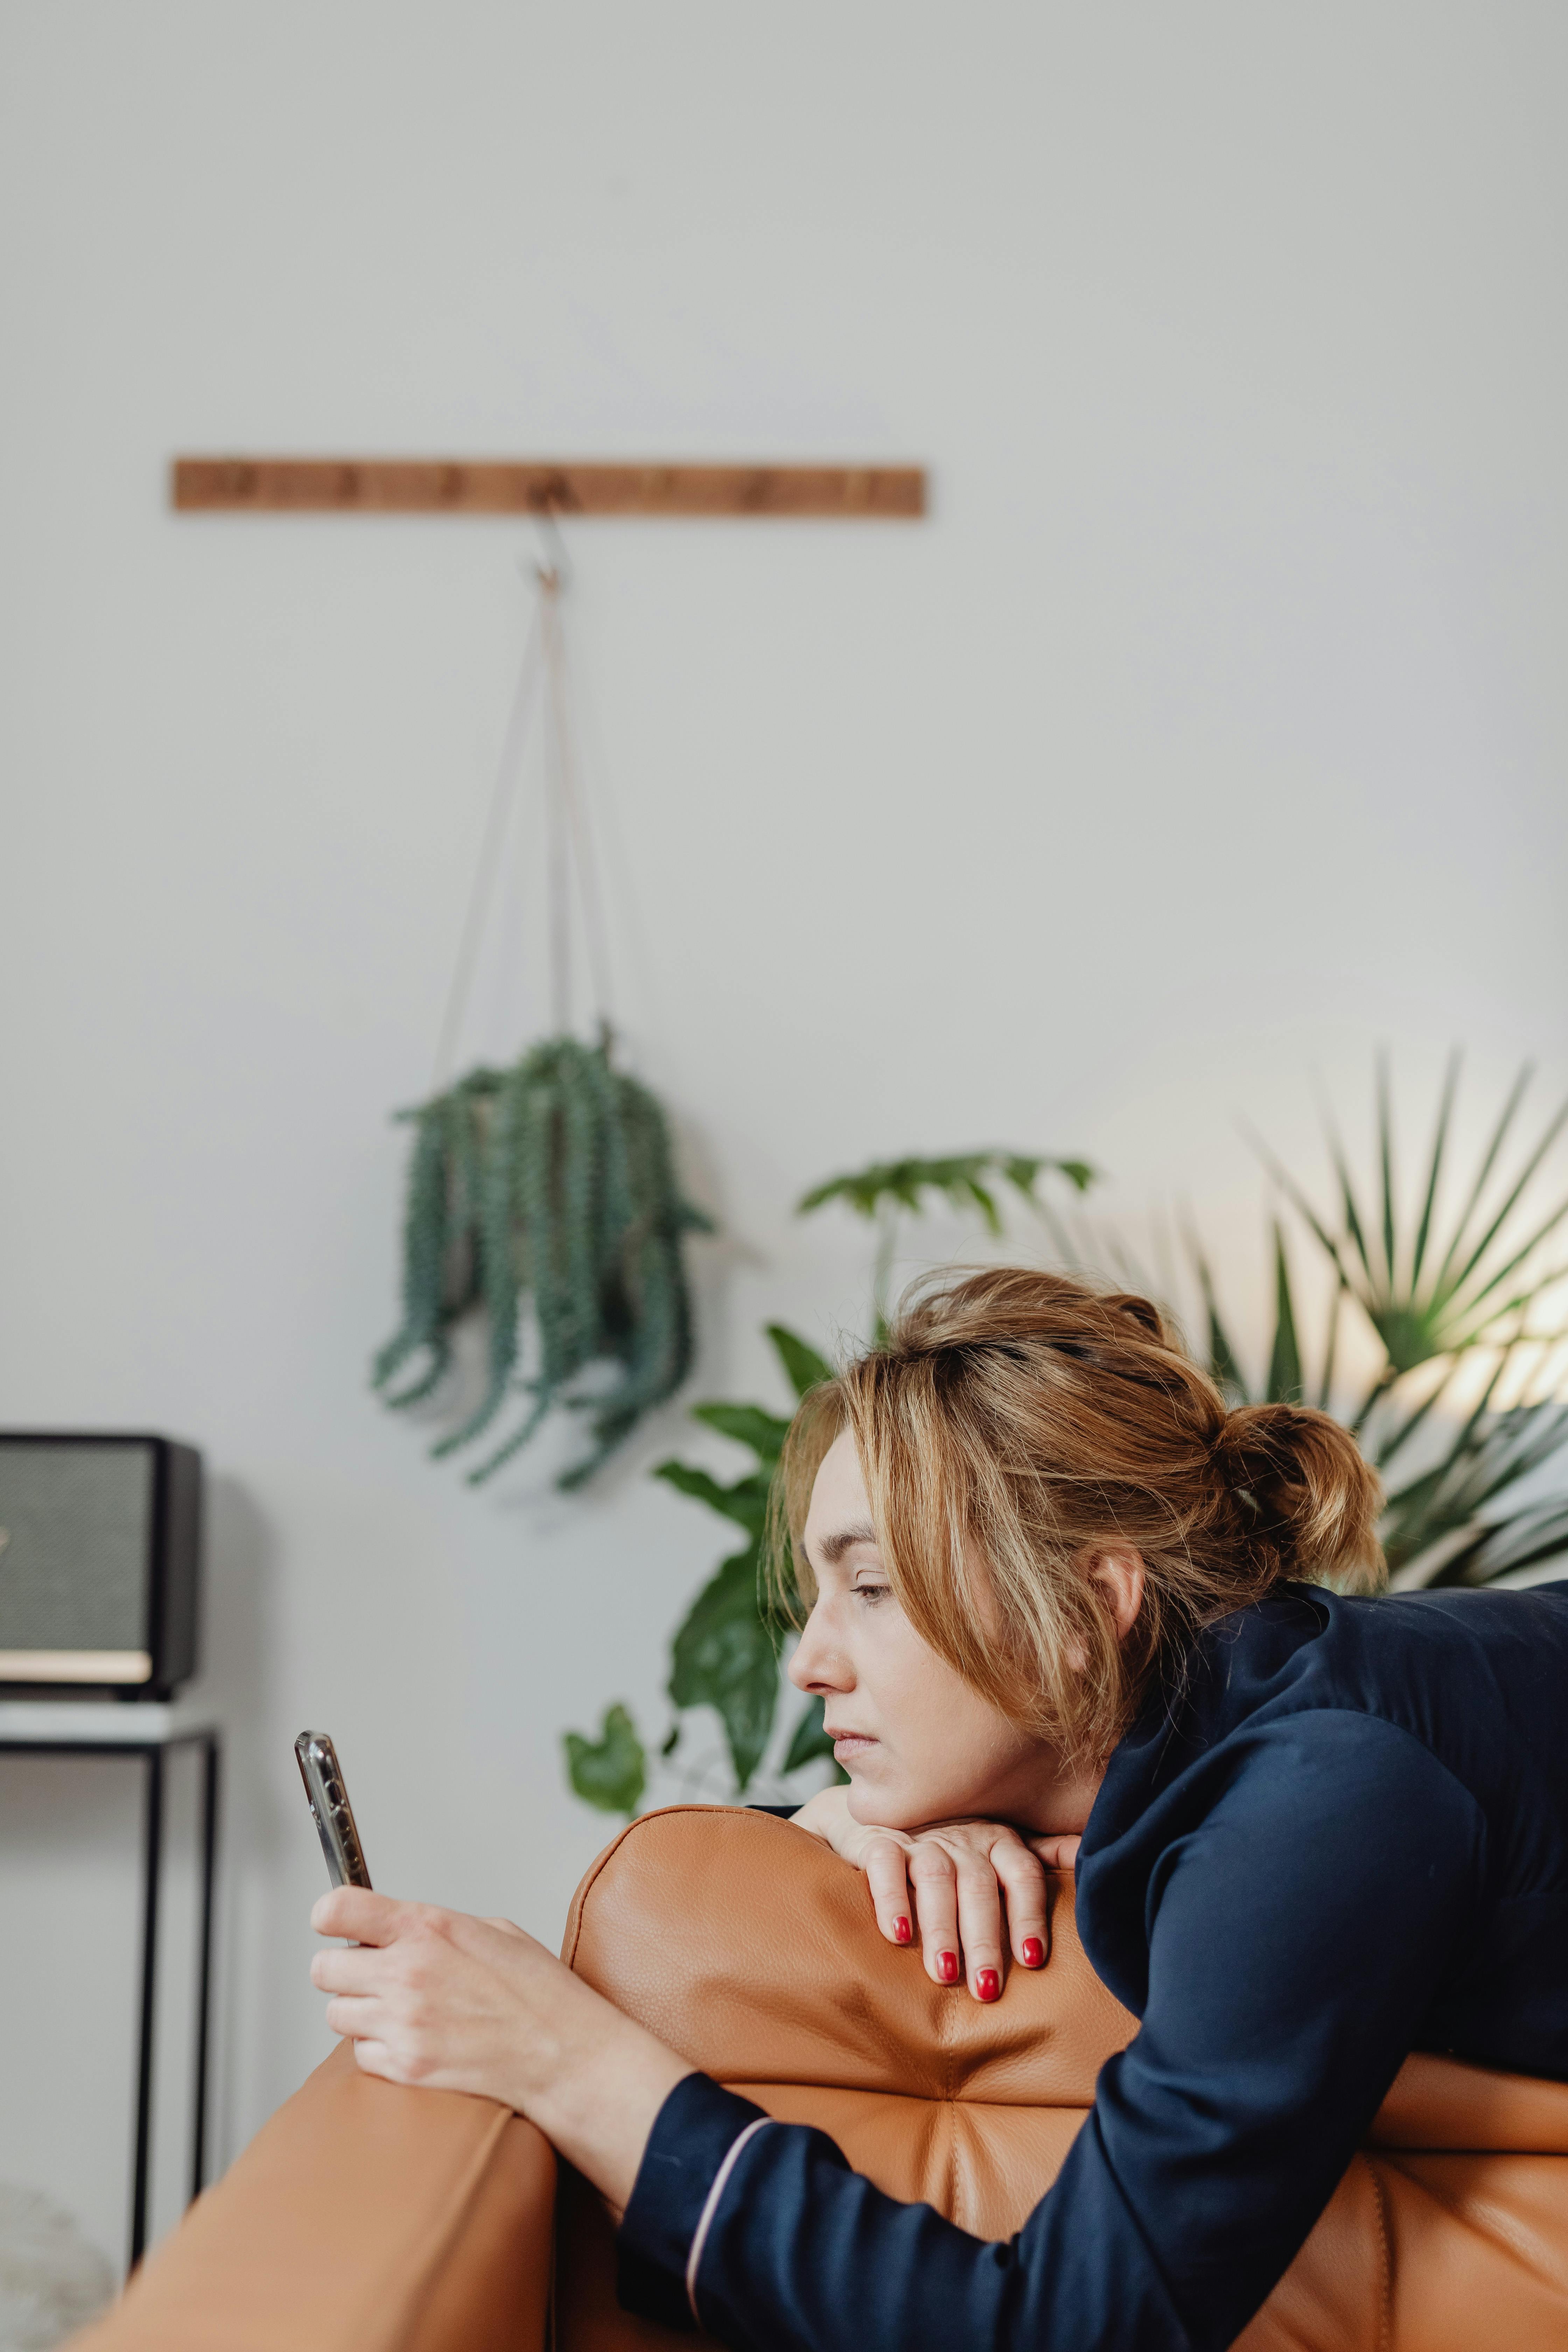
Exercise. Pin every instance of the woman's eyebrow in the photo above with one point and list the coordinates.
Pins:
(833, 1547)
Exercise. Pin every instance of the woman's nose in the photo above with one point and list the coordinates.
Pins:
(817, 1666)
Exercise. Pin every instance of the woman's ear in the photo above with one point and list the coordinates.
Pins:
(1120, 1571)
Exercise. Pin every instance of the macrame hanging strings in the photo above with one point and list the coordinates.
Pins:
(569, 855)
(571, 844)
(543, 1192)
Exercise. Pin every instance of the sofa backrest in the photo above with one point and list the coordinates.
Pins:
(750, 1948)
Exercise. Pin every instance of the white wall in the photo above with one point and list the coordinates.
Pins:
(1212, 730)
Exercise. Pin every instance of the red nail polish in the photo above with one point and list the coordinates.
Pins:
(947, 1967)
(902, 1931)
(1034, 1952)
(987, 1985)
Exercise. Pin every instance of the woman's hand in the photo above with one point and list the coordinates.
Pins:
(948, 1880)
(455, 2003)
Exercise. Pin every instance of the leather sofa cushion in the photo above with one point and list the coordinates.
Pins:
(751, 1950)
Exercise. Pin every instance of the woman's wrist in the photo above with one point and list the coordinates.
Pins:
(825, 1815)
(596, 2090)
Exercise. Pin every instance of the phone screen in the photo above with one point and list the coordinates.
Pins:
(329, 1801)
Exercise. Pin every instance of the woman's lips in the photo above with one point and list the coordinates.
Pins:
(848, 1745)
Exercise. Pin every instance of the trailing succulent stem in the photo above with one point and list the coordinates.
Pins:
(544, 1194)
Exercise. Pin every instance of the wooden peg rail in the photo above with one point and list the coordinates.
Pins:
(474, 486)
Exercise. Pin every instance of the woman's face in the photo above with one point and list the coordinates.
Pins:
(918, 1743)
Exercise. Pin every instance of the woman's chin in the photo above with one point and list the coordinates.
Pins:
(877, 1805)
(866, 1802)
(884, 1801)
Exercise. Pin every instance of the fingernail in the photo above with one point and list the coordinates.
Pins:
(1034, 1952)
(902, 1931)
(987, 1985)
(947, 1967)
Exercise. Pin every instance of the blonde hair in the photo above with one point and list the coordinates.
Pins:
(1012, 1424)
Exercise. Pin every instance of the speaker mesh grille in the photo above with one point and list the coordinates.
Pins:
(73, 1571)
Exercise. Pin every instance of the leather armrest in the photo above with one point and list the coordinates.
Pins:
(362, 2218)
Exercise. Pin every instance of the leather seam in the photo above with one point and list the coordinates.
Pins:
(1487, 2225)
(1384, 2263)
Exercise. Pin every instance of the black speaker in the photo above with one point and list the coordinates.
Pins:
(99, 1559)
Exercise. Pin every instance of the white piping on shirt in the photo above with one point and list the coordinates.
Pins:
(711, 2205)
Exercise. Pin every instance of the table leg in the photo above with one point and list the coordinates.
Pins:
(153, 1840)
(204, 1986)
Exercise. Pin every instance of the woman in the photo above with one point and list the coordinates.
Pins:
(1054, 1585)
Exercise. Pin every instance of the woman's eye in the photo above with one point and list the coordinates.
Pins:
(871, 1593)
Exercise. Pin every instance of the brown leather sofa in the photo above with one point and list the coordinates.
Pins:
(368, 2219)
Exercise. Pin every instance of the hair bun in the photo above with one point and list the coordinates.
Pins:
(1309, 1499)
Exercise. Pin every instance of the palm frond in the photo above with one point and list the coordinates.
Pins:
(1454, 1498)
(1224, 1365)
(1528, 1539)
(1435, 1163)
(1419, 1315)
(1434, 1293)
(1285, 1355)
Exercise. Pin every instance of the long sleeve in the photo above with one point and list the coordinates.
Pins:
(1298, 1929)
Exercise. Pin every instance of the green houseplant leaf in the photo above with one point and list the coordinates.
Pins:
(889, 1189)
(804, 1369)
(808, 1742)
(725, 1657)
(610, 1772)
(725, 1652)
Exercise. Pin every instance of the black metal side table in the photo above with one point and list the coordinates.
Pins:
(147, 1730)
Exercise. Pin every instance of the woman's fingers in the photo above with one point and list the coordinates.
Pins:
(354, 2017)
(358, 1969)
(887, 1874)
(1057, 1852)
(980, 1924)
(361, 1917)
(934, 1880)
(955, 1878)
(1022, 1881)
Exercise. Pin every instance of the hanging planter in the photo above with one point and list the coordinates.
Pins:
(542, 1199)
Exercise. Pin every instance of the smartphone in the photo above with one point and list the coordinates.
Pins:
(329, 1801)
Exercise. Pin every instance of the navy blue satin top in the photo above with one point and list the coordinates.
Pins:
(1342, 1836)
